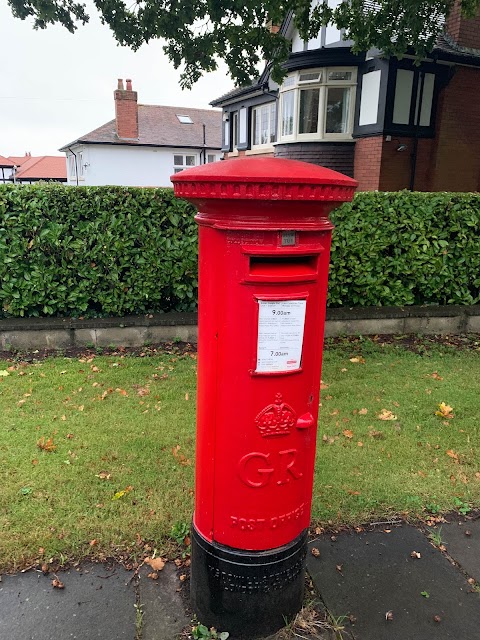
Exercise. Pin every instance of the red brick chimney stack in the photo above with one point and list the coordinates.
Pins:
(126, 111)
(465, 32)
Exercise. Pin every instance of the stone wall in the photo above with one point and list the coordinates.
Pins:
(27, 334)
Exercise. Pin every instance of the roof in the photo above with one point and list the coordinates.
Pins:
(159, 126)
(19, 160)
(447, 49)
(239, 91)
(5, 162)
(43, 168)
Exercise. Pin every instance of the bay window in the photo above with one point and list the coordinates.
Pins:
(318, 104)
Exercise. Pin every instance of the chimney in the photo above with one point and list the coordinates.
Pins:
(126, 111)
(464, 31)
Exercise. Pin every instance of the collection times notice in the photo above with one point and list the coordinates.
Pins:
(280, 335)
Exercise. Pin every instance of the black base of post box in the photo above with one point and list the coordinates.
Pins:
(248, 593)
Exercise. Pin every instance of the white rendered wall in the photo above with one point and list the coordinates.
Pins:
(131, 166)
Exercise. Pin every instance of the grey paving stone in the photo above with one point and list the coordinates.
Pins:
(378, 575)
(164, 615)
(464, 549)
(95, 603)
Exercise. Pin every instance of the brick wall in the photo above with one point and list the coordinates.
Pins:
(368, 159)
(457, 144)
(126, 111)
(338, 156)
(465, 32)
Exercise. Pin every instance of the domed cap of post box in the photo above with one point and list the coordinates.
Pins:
(263, 179)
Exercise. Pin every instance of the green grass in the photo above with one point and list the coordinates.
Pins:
(118, 429)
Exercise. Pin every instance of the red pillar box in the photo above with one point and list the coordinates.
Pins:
(264, 241)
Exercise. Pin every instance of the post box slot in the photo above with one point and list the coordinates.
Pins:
(287, 265)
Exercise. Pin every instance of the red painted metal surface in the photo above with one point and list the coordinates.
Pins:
(264, 242)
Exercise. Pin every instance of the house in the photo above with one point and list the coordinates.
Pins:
(391, 124)
(28, 169)
(6, 166)
(145, 144)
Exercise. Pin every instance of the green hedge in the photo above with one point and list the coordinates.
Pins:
(405, 248)
(72, 251)
(86, 251)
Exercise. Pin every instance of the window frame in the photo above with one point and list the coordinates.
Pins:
(177, 168)
(272, 127)
(322, 85)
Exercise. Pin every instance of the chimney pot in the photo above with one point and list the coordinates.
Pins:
(129, 85)
(120, 84)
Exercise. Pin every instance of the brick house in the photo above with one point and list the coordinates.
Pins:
(144, 144)
(389, 123)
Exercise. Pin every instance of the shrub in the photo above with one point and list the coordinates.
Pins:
(406, 248)
(69, 251)
(99, 251)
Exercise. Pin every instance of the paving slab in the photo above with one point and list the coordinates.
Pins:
(368, 574)
(463, 547)
(96, 602)
(164, 614)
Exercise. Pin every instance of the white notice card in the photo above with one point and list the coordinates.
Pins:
(280, 335)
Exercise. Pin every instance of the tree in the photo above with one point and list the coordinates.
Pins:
(200, 32)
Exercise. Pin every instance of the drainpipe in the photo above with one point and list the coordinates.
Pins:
(76, 165)
(204, 145)
(415, 139)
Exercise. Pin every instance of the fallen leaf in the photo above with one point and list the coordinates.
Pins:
(57, 584)
(386, 415)
(34, 462)
(46, 445)
(389, 615)
(120, 494)
(452, 454)
(362, 412)
(44, 568)
(186, 396)
(343, 370)
(353, 493)
(103, 475)
(437, 619)
(425, 594)
(435, 376)
(347, 433)
(94, 368)
(444, 411)
(157, 564)
(153, 575)
(70, 436)
(4, 373)
(143, 391)
(81, 407)
(122, 392)
(92, 543)
(323, 385)
(183, 577)
(339, 568)
(415, 554)
(315, 552)
(358, 360)
(378, 435)
(359, 444)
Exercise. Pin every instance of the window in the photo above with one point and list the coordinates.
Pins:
(81, 166)
(211, 157)
(318, 104)
(184, 119)
(235, 129)
(71, 167)
(264, 124)
(181, 162)
(409, 86)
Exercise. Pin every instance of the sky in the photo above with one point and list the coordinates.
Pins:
(57, 86)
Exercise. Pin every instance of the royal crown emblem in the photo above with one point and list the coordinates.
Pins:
(276, 419)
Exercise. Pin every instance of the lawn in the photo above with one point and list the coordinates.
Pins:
(97, 452)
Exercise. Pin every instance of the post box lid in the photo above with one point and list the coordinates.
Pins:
(264, 179)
